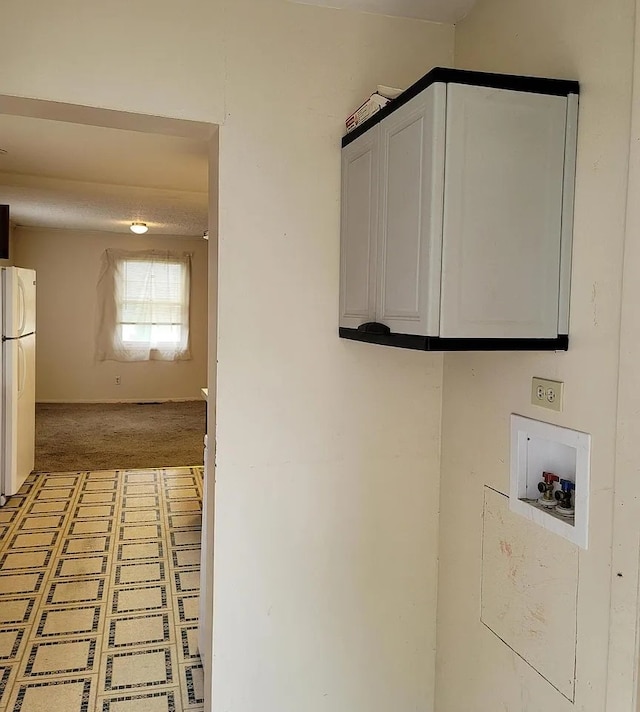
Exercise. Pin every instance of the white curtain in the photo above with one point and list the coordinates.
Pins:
(143, 300)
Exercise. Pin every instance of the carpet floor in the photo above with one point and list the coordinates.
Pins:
(118, 436)
(99, 585)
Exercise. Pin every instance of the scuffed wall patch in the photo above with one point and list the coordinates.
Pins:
(529, 592)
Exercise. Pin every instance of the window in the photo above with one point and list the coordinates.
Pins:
(152, 298)
(144, 306)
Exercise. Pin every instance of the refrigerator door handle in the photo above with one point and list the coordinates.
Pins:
(22, 369)
(22, 308)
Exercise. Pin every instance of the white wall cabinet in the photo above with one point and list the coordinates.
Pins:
(457, 205)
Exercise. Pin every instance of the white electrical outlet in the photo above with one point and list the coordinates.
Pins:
(117, 380)
(547, 394)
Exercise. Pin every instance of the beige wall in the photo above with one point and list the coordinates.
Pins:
(623, 693)
(327, 478)
(68, 265)
(327, 451)
(593, 42)
(154, 57)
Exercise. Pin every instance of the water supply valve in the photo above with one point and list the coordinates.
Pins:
(546, 488)
(564, 506)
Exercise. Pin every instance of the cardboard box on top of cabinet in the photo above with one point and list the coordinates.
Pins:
(381, 97)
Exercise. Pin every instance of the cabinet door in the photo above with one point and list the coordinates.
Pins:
(358, 230)
(410, 235)
(502, 213)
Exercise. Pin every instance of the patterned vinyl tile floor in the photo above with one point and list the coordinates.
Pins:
(99, 579)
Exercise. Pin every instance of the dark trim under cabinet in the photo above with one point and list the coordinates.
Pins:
(512, 82)
(435, 343)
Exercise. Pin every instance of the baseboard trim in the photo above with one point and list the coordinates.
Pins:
(119, 400)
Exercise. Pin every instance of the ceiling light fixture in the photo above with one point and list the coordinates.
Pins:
(139, 228)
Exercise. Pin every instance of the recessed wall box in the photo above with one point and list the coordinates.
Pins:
(537, 449)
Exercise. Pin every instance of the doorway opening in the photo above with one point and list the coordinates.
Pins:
(100, 557)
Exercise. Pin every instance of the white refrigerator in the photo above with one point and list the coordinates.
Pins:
(18, 362)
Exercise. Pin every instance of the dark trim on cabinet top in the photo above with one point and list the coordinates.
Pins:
(512, 82)
(435, 343)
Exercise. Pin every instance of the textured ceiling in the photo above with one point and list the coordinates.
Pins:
(66, 175)
(447, 11)
(75, 205)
